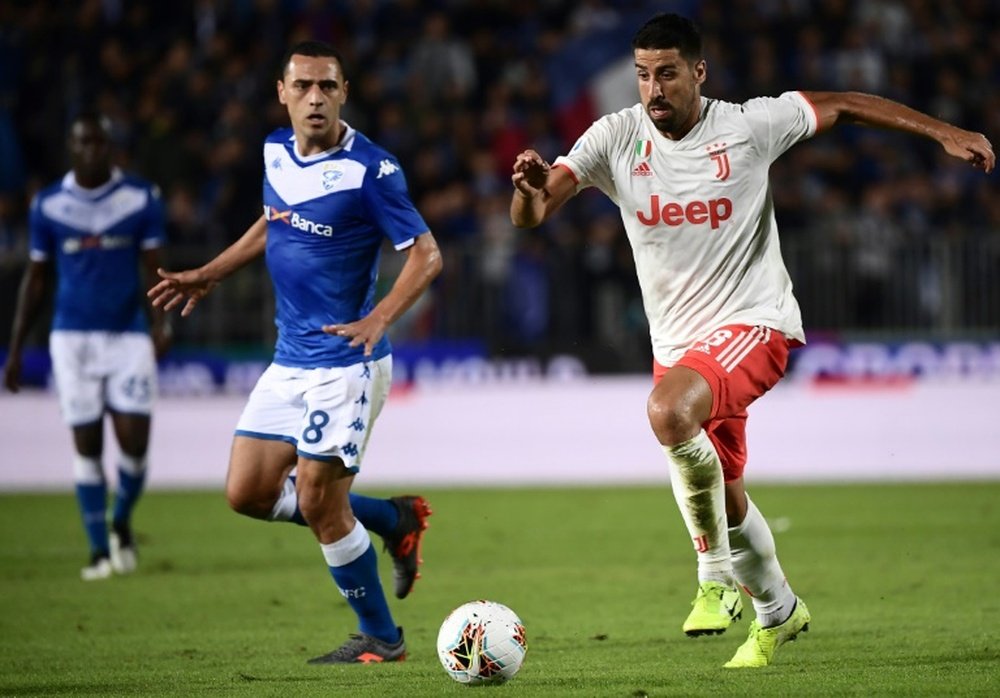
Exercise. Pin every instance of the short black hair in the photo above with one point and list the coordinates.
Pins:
(314, 49)
(89, 115)
(668, 30)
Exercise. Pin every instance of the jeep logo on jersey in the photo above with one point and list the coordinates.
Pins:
(298, 222)
(674, 213)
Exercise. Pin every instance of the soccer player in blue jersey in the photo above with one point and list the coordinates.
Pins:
(330, 198)
(99, 228)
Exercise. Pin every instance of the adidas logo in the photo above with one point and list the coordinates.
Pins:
(642, 170)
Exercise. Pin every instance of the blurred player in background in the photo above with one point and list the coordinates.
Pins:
(330, 198)
(99, 228)
(690, 176)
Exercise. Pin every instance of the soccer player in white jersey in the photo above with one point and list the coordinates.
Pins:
(99, 228)
(330, 198)
(690, 176)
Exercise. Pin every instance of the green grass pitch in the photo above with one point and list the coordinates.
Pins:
(901, 581)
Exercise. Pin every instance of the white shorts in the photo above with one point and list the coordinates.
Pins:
(327, 413)
(95, 371)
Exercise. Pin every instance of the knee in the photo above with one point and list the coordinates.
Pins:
(312, 502)
(252, 503)
(134, 446)
(672, 421)
(324, 505)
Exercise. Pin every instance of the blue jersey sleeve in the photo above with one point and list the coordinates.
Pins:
(154, 232)
(388, 203)
(42, 241)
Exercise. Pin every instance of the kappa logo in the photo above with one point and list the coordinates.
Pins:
(717, 152)
(386, 168)
(642, 170)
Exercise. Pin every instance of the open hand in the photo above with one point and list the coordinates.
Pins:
(175, 287)
(368, 331)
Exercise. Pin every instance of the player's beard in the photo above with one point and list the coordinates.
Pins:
(665, 124)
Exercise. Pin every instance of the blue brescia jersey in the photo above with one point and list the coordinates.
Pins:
(95, 236)
(326, 217)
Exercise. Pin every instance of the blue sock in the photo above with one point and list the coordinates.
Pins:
(358, 582)
(128, 493)
(93, 510)
(377, 515)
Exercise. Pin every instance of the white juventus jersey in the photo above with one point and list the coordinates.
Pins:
(698, 213)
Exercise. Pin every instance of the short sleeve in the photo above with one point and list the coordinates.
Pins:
(42, 241)
(388, 203)
(588, 160)
(778, 123)
(154, 232)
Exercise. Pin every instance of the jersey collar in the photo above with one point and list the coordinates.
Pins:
(69, 182)
(345, 144)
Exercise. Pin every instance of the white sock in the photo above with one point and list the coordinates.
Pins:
(132, 465)
(755, 563)
(347, 549)
(698, 486)
(87, 471)
(288, 500)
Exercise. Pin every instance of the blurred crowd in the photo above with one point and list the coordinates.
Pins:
(455, 88)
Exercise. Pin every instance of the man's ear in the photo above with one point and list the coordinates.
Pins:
(700, 71)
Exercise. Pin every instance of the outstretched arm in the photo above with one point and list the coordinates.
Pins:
(423, 263)
(539, 190)
(195, 284)
(29, 302)
(834, 108)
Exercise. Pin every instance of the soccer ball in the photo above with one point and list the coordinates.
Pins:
(481, 642)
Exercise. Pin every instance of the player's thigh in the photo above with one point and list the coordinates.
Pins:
(78, 378)
(263, 451)
(132, 432)
(341, 407)
(258, 468)
(131, 373)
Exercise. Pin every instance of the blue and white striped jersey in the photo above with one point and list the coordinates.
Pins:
(95, 236)
(327, 215)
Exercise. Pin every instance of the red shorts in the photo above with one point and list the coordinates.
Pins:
(740, 363)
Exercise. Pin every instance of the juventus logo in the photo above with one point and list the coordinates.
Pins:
(701, 543)
(717, 151)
